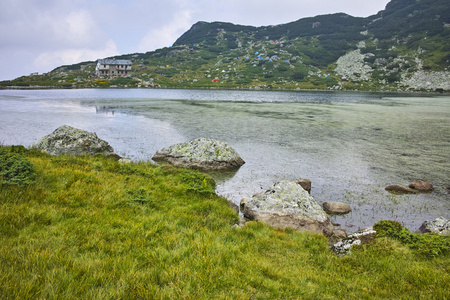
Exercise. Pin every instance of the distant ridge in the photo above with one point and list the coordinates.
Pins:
(405, 47)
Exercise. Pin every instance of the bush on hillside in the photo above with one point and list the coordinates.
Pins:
(428, 244)
(15, 169)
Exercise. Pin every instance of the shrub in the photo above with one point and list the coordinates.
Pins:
(299, 75)
(428, 244)
(15, 169)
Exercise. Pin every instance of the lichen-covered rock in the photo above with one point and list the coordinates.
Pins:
(69, 140)
(202, 153)
(439, 225)
(336, 208)
(287, 204)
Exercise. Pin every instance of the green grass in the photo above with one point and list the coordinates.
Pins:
(92, 228)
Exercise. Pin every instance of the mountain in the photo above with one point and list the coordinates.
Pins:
(404, 47)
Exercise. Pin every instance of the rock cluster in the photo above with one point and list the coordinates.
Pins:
(428, 80)
(69, 140)
(352, 66)
(287, 204)
(202, 153)
(363, 236)
(418, 186)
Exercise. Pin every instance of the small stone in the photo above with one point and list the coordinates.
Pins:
(422, 186)
(340, 233)
(125, 161)
(336, 208)
(305, 184)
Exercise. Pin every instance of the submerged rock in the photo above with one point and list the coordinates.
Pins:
(202, 153)
(439, 225)
(69, 140)
(287, 204)
(400, 189)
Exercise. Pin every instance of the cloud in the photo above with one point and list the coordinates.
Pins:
(167, 34)
(41, 35)
(51, 59)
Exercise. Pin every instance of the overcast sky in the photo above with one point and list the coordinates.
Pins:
(40, 35)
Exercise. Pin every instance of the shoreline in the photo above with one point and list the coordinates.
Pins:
(433, 93)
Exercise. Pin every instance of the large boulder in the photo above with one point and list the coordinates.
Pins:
(69, 140)
(202, 153)
(287, 204)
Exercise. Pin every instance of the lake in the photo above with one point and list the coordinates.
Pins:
(351, 145)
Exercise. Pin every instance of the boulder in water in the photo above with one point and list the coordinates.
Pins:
(69, 140)
(202, 153)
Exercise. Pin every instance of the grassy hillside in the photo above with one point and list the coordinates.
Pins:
(399, 48)
(92, 228)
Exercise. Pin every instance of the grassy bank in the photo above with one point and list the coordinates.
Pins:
(92, 228)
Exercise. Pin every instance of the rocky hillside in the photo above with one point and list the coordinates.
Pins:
(404, 47)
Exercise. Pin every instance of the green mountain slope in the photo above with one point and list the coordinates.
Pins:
(404, 47)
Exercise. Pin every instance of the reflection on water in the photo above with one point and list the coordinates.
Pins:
(351, 145)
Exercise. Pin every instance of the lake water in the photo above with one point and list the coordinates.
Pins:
(351, 145)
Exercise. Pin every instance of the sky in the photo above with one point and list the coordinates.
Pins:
(40, 35)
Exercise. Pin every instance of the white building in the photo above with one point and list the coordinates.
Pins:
(113, 67)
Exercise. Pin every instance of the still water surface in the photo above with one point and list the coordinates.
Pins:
(351, 145)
